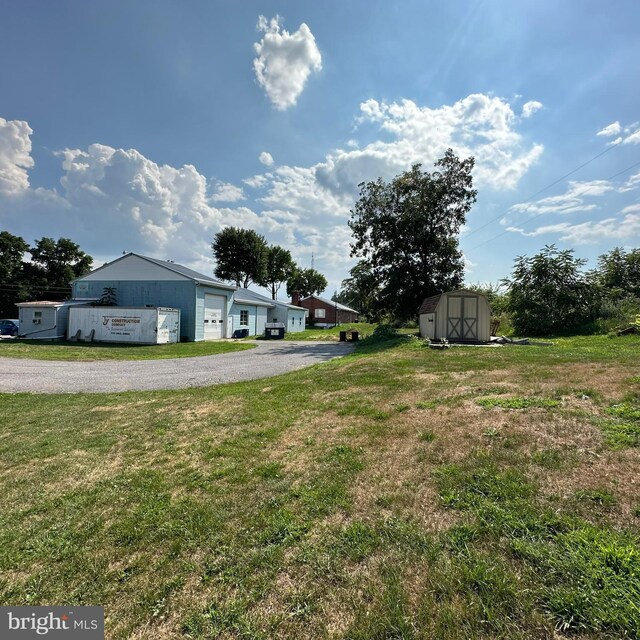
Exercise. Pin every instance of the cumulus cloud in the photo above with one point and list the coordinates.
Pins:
(610, 130)
(478, 125)
(593, 232)
(15, 156)
(569, 202)
(529, 108)
(111, 199)
(285, 61)
(266, 158)
(226, 192)
(632, 183)
(630, 134)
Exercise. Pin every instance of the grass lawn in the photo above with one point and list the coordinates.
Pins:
(331, 333)
(57, 350)
(399, 492)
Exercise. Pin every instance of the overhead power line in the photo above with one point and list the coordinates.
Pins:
(552, 184)
(545, 213)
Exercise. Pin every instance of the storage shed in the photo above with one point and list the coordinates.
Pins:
(140, 281)
(458, 316)
(45, 319)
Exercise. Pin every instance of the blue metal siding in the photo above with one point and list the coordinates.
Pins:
(235, 314)
(179, 294)
(295, 320)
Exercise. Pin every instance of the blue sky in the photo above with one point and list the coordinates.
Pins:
(148, 126)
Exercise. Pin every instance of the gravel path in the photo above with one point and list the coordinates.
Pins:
(267, 359)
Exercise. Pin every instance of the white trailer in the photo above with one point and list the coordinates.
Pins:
(139, 325)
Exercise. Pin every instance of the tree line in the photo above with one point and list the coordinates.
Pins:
(406, 239)
(243, 257)
(53, 264)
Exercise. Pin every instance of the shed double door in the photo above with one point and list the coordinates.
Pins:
(214, 316)
(462, 318)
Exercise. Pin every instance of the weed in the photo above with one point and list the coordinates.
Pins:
(598, 497)
(517, 403)
(427, 436)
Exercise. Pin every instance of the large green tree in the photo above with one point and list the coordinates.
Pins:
(619, 272)
(241, 256)
(279, 267)
(360, 291)
(406, 233)
(54, 263)
(12, 285)
(550, 293)
(306, 282)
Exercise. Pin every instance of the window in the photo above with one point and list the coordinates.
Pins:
(320, 313)
(244, 317)
(300, 318)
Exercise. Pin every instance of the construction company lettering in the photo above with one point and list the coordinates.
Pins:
(81, 623)
(121, 325)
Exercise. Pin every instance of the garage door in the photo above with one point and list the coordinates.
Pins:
(214, 316)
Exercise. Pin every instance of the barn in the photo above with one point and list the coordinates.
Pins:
(458, 316)
(139, 281)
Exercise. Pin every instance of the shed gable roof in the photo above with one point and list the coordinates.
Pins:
(429, 304)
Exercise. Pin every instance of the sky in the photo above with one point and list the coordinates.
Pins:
(149, 126)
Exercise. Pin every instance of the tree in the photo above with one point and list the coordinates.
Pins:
(240, 255)
(12, 290)
(306, 282)
(406, 233)
(360, 291)
(549, 293)
(619, 272)
(279, 266)
(54, 263)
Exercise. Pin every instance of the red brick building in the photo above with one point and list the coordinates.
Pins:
(325, 313)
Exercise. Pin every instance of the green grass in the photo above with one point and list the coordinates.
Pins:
(331, 333)
(329, 503)
(517, 403)
(57, 350)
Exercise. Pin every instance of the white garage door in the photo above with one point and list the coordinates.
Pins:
(214, 316)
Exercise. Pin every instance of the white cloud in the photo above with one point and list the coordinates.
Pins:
(255, 182)
(226, 192)
(632, 183)
(15, 156)
(478, 125)
(115, 199)
(284, 61)
(529, 108)
(570, 201)
(634, 138)
(611, 130)
(630, 133)
(592, 232)
(266, 158)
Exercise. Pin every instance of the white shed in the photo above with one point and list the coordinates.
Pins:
(459, 316)
(45, 319)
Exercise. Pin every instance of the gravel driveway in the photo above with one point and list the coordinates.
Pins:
(267, 359)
